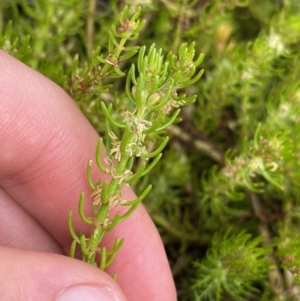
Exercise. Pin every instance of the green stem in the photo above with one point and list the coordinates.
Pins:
(116, 53)
(90, 27)
(180, 235)
(97, 233)
(1, 18)
(114, 186)
(128, 138)
(178, 31)
(44, 27)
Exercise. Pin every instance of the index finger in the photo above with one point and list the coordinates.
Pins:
(45, 143)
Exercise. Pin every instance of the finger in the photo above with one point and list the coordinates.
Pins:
(27, 275)
(19, 230)
(45, 144)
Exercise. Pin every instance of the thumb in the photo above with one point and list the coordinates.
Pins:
(27, 275)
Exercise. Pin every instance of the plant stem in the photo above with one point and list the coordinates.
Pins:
(90, 27)
(113, 188)
(180, 235)
(274, 273)
(208, 148)
(1, 17)
(177, 35)
(116, 53)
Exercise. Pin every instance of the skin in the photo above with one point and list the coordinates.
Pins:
(45, 142)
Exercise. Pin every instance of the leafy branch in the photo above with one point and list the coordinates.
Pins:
(99, 67)
(154, 101)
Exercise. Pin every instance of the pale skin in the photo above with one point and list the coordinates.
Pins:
(45, 144)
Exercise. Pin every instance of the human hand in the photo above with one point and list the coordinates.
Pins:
(45, 142)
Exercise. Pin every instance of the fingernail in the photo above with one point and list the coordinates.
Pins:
(88, 293)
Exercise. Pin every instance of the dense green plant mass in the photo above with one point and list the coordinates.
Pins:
(232, 258)
(225, 194)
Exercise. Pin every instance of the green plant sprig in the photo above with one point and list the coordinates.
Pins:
(101, 67)
(152, 98)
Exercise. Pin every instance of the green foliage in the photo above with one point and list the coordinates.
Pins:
(151, 96)
(231, 267)
(289, 253)
(232, 163)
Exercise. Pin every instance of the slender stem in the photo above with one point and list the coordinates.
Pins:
(178, 31)
(275, 277)
(90, 27)
(97, 233)
(1, 17)
(116, 53)
(114, 186)
(180, 235)
(44, 27)
(205, 146)
(183, 262)
(128, 138)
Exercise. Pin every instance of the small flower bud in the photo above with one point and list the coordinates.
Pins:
(154, 98)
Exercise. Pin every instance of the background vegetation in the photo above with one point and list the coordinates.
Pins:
(226, 193)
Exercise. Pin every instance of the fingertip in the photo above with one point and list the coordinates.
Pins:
(87, 292)
(52, 277)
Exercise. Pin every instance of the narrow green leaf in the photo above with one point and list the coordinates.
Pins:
(73, 249)
(71, 228)
(89, 174)
(98, 156)
(169, 122)
(107, 115)
(83, 245)
(158, 150)
(152, 164)
(81, 210)
(103, 259)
